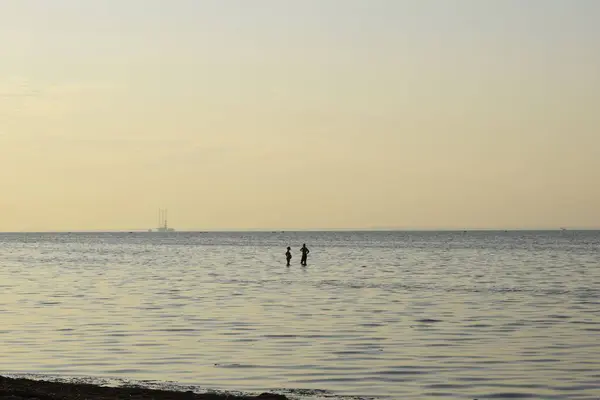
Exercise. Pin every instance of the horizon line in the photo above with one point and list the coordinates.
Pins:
(263, 230)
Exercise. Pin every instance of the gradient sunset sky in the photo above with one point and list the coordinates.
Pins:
(275, 114)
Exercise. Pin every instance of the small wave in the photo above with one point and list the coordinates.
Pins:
(509, 395)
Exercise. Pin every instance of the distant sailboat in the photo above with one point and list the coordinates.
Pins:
(162, 222)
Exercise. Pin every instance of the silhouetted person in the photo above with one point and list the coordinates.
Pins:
(288, 255)
(305, 252)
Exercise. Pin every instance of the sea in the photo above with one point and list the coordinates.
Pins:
(390, 315)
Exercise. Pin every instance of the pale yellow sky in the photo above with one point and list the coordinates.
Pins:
(312, 114)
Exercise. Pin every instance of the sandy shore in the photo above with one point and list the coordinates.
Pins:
(20, 389)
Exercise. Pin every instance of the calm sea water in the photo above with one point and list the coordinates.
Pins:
(485, 315)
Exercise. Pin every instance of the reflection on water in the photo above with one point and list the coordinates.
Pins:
(475, 315)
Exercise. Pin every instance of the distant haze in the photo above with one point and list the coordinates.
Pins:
(273, 114)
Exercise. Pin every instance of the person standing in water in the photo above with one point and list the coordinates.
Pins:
(305, 252)
(288, 255)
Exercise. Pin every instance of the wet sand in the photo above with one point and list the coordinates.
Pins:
(21, 389)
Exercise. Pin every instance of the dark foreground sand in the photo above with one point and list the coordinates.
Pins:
(20, 389)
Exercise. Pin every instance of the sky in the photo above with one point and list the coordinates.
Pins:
(312, 114)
